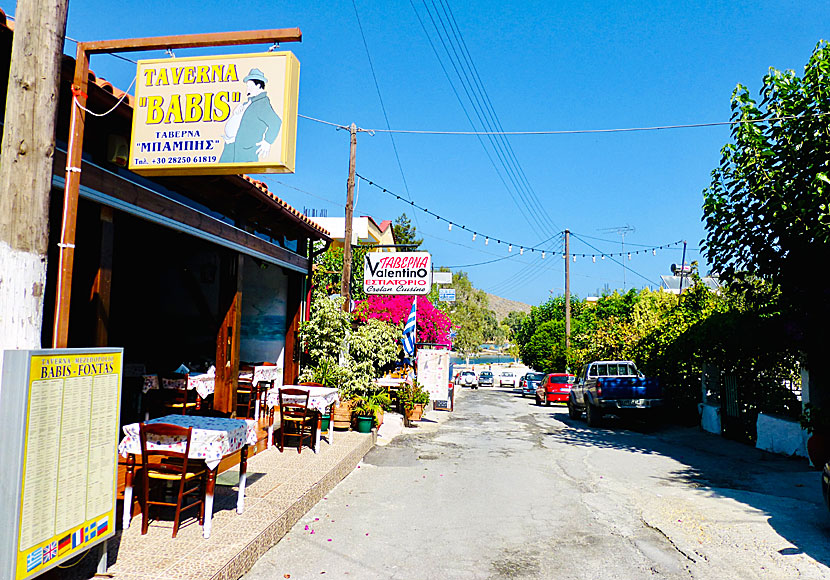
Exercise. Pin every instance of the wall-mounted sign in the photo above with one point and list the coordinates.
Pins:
(60, 409)
(446, 294)
(397, 273)
(216, 115)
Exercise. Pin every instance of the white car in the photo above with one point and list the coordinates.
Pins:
(507, 378)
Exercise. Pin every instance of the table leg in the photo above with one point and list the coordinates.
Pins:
(243, 477)
(255, 397)
(128, 492)
(317, 431)
(330, 432)
(209, 489)
(270, 428)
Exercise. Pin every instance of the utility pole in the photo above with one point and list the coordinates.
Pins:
(567, 289)
(345, 282)
(682, 268)
(26, 169)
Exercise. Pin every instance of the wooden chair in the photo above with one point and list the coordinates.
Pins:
(246, 393)
(178, 399)
(170, 468)
(296, 419)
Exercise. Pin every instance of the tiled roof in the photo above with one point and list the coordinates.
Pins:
(129, 101)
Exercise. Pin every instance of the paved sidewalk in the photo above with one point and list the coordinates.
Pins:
(281, 488)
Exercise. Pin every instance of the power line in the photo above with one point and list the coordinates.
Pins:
(614, 130)
(380, 96)
(477, 97)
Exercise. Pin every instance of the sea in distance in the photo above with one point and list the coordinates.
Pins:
(482, 359)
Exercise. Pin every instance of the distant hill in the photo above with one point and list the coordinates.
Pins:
(502, 306)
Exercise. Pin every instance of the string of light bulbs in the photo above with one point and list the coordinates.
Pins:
(543, 250)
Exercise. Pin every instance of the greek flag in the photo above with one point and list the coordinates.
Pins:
(409, 330)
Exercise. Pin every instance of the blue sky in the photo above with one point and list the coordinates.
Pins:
(545, 66)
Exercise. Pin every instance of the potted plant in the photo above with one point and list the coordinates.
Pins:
(413, 399)
(368, 409)
(816, 421)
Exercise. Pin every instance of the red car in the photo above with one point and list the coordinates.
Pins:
(554, 388)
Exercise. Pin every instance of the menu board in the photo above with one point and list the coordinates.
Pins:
(434, 372)
(60, 489)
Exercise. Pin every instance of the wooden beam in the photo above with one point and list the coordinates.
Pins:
(193, 40)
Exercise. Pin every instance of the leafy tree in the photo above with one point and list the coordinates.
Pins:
(405, 232)
(328, 271)
(767, 210)
(468, 314)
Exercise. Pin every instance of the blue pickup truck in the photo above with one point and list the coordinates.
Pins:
(613, 387)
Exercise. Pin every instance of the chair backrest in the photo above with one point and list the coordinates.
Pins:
(175, 383)
(293, 403)
(176, 442)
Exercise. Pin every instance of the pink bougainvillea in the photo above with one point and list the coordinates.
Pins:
(433, 325)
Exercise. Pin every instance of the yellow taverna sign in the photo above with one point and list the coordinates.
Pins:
(216, 115)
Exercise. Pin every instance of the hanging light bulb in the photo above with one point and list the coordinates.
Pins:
(574, 257)
(474, 236)
(449, 229)
(629, 255)
(594, 259)
(510, 248)
(521, 251)
(654, 252)
(543, 255)
(602, 257)
(486, 241)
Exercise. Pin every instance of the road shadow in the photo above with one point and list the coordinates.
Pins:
(785, 489)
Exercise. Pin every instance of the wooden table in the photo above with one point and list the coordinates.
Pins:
(212, 439)
(270, 374)
(319, 400)
(204, 384)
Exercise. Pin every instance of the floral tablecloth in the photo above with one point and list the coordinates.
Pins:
(212, 438)
(320, 398)
(204, 384)
(263, 374)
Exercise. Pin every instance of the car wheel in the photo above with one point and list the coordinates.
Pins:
(573, 412)
(538, 401)
(593, 415)
(547, 403)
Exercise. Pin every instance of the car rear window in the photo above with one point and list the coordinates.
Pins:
(486, 374)
(535, 377)
(561, 380)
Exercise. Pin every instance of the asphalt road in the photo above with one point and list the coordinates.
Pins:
(502, 488)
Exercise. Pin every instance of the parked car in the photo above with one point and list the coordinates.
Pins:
(507, 378)
(615, 387)
(532, 381)
(554, 388)
(520, 385)
(485, 379)
(467, 379)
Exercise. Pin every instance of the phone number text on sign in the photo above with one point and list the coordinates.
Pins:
(397, 273)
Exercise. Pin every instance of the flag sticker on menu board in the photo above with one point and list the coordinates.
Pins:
(34, 559)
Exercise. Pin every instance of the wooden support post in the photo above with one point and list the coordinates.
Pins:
(26, 169)
(228, 339)
(102, 285)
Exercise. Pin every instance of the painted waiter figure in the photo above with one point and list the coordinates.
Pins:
(253, 126)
